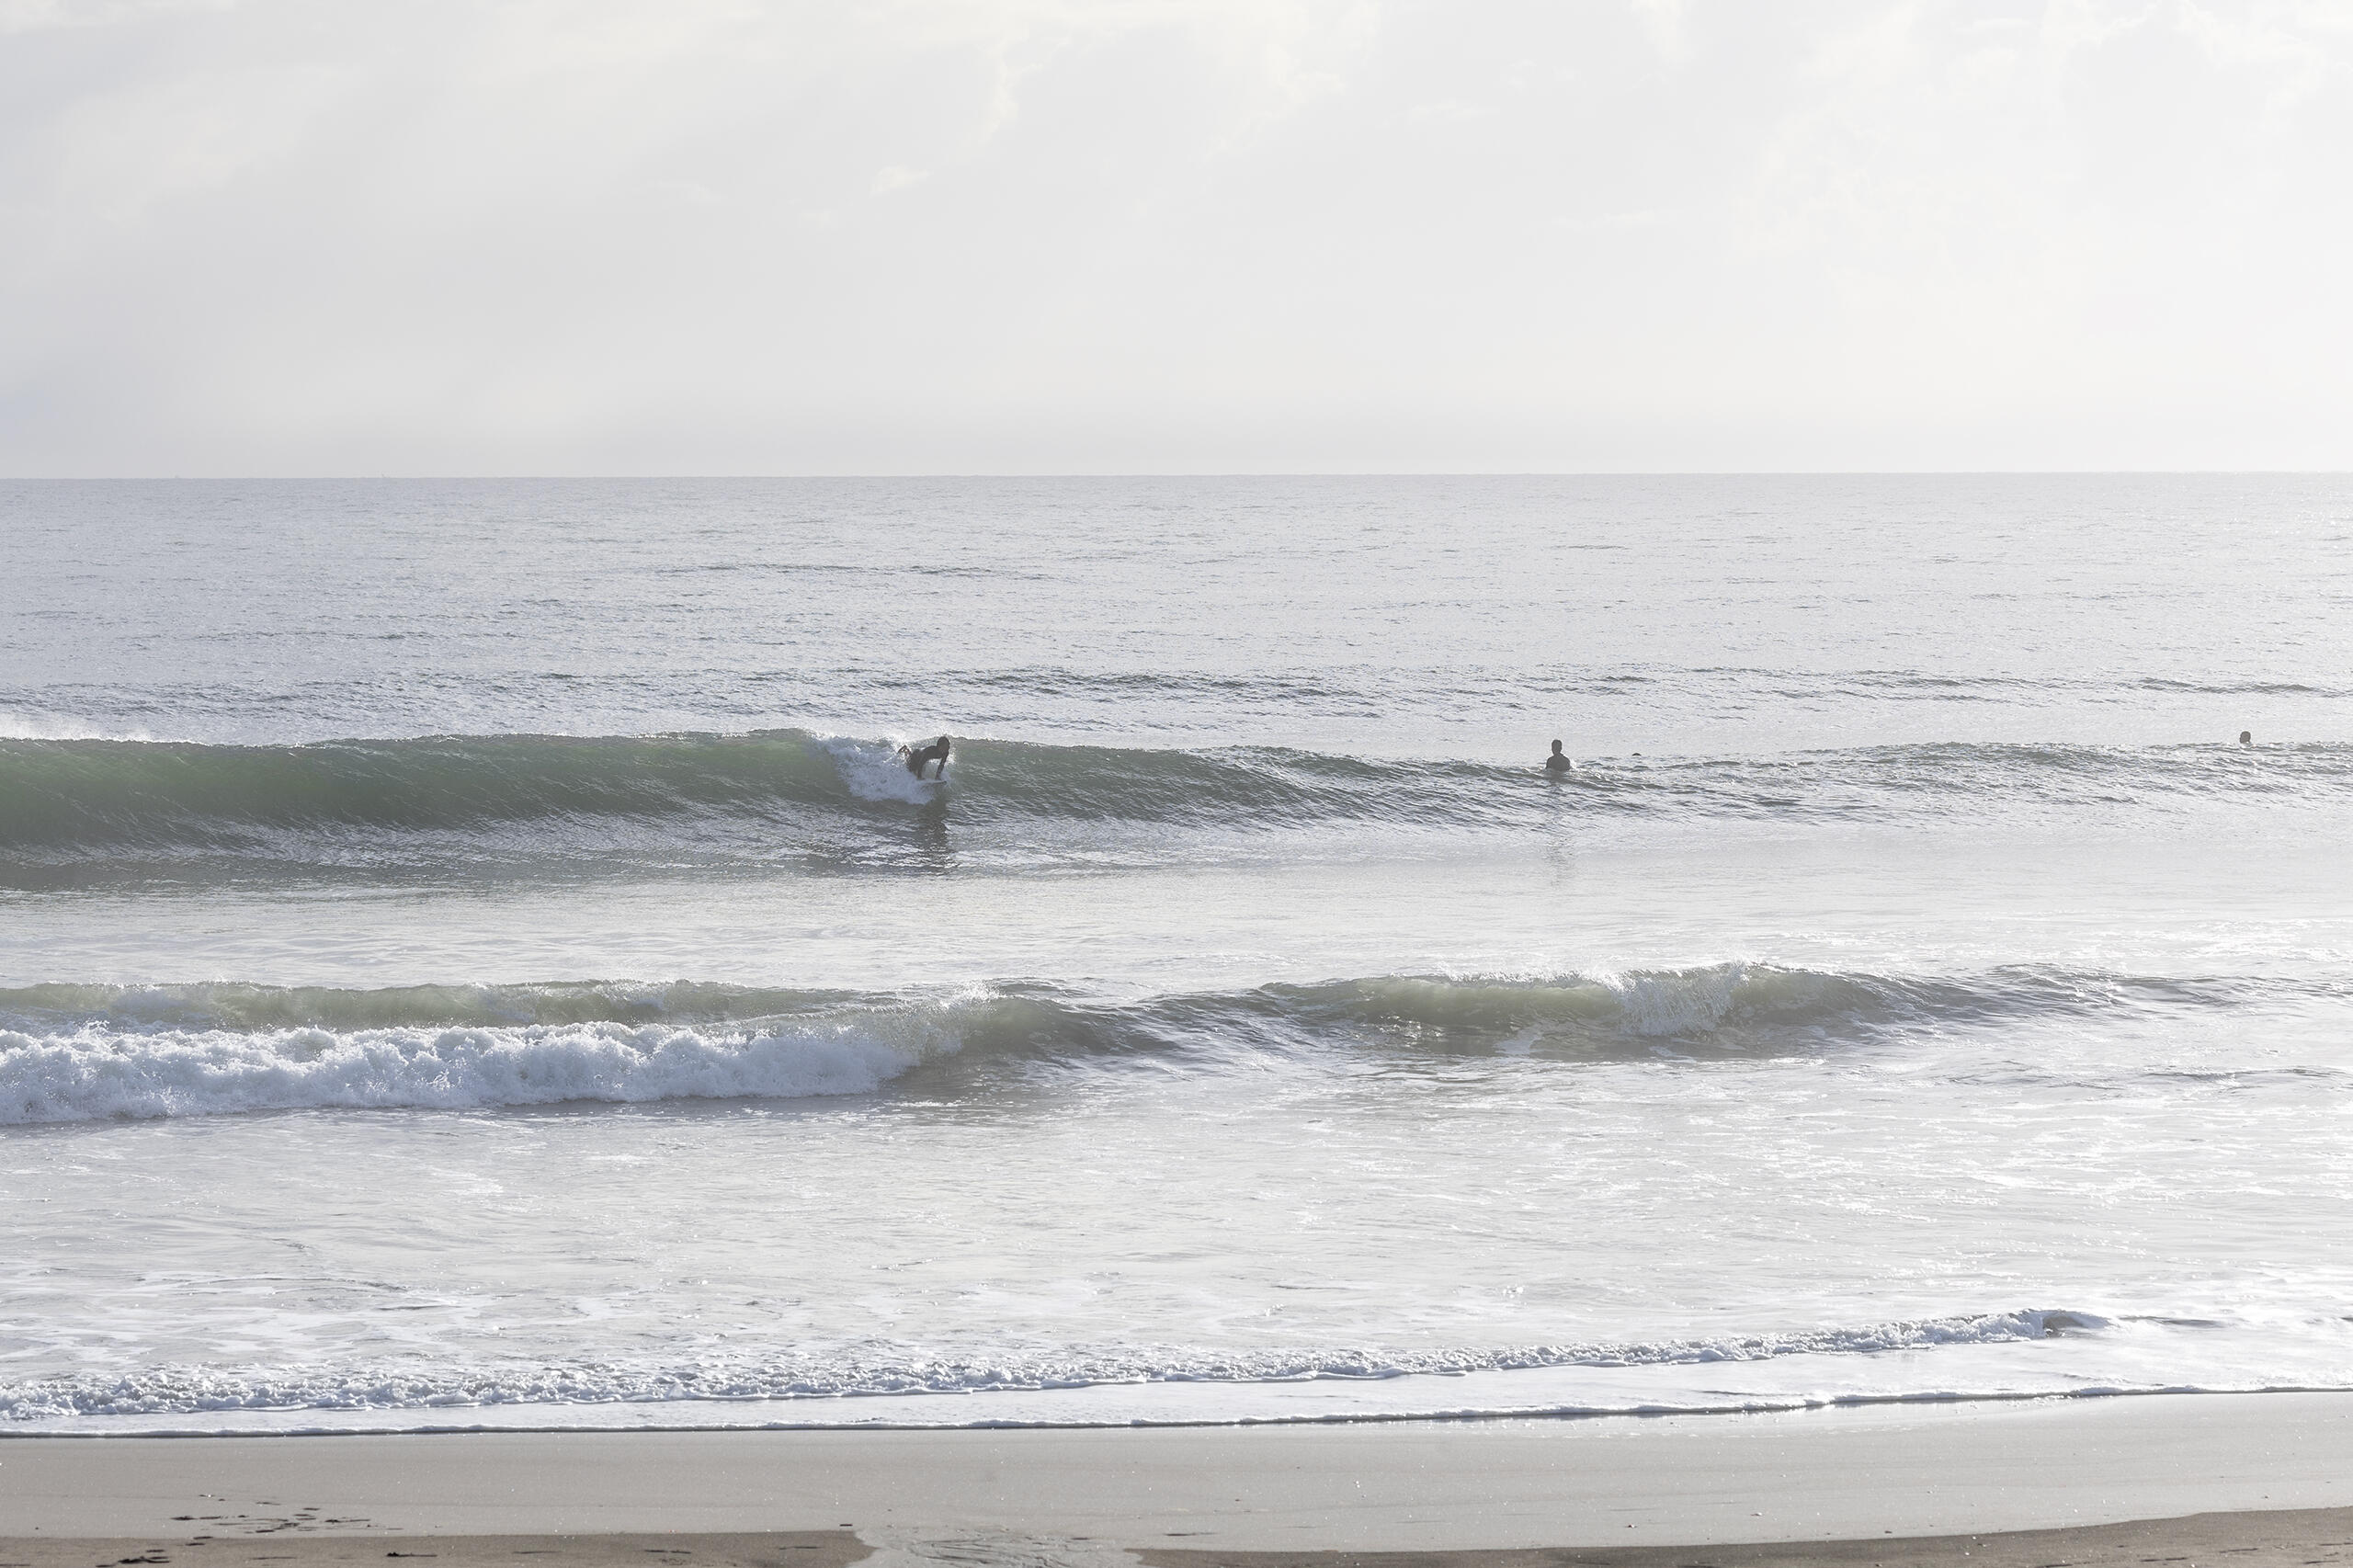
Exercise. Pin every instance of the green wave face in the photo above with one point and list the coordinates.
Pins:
(1728, 1005)
(488, 799)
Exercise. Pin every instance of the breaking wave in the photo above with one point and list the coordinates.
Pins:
(74, 802)
(89, 1053)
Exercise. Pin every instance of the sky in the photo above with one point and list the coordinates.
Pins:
(949, 236)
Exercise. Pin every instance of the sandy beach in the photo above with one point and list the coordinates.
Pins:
(2303, 1538)
(2268, 1478)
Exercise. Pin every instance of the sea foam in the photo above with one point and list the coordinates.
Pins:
(93, 1072)
(734, 1377)
(77, 1053)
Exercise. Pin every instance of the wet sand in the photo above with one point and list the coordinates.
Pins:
(2268, 1478)
(2288, 1539)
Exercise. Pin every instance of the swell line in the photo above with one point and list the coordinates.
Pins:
(87, 1052)
(77, 802)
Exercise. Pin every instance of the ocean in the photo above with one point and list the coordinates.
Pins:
(470, 955)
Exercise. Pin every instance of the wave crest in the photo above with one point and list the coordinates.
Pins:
(84, 1053)
(74, 802)
(96, 1074)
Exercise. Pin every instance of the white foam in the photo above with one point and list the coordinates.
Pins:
(52, 727)
(871, 771)
(731, 1377)
(96, 1073)
(2000, 1356)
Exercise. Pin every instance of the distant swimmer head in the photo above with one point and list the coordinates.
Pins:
(2246, 738)
(1559, 761)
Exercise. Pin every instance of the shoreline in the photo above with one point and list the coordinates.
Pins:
(1875, 1475)
(633, 1416)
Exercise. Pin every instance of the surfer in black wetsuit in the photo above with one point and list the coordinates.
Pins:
(1558, 763)
(921, 756)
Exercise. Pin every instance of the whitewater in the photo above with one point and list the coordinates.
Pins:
(470, 955)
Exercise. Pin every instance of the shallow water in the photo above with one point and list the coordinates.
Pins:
(468, 955)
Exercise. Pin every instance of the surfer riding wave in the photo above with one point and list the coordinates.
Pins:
(918, 759)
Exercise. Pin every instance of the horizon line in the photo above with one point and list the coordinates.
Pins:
(1201, 474)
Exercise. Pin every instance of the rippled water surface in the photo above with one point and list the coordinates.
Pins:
(470, 955)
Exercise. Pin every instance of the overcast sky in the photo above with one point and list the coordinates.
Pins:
(613, 236)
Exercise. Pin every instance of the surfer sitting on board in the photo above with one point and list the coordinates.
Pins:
(1558, 762)
(917, 758)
